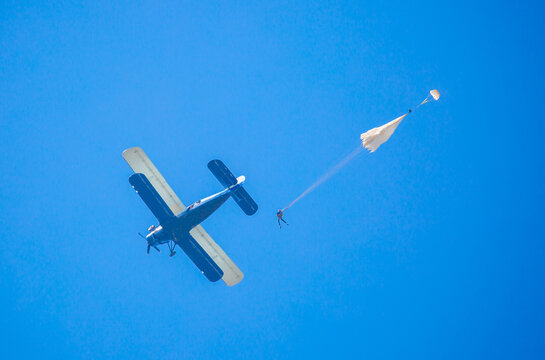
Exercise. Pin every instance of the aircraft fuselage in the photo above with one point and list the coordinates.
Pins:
(193, 215)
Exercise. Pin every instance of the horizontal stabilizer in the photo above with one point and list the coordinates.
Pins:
(244, 200)
(227, 179)
(222, 173)
(151, 197)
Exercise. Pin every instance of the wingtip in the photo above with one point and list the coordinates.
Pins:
(215, 162)
(232, 282)
(253, 211)
(134, 148)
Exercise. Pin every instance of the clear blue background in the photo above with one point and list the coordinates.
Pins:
(431, 248)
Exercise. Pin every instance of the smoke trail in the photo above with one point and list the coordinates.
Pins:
(335, 169)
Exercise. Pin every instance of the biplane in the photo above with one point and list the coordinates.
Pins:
(180, 225)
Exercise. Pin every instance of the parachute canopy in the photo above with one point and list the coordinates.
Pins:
(434, 94)
(372, 139)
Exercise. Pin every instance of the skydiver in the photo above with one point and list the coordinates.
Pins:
(279, 215)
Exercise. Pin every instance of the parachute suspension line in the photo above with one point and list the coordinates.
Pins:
(335, 169)
(423, 102)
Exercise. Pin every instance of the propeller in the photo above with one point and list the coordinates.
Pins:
(149, 244)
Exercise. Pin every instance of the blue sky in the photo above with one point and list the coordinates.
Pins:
(430, 248)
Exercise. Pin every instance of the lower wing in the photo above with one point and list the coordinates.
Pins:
(151, 197)
(140, 163)
(199, 257)
(231, 273)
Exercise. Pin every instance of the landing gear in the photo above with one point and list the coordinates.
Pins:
(171, 246)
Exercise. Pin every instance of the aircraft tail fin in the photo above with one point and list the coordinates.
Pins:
(227, 179)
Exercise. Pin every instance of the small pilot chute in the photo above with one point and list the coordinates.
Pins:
(434, 95)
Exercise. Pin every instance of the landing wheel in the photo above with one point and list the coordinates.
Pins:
(171, 246)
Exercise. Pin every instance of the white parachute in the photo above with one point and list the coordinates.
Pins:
(434, 94)
(372, 139)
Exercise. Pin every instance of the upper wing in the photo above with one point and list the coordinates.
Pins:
(231, 273)
(140, 163)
